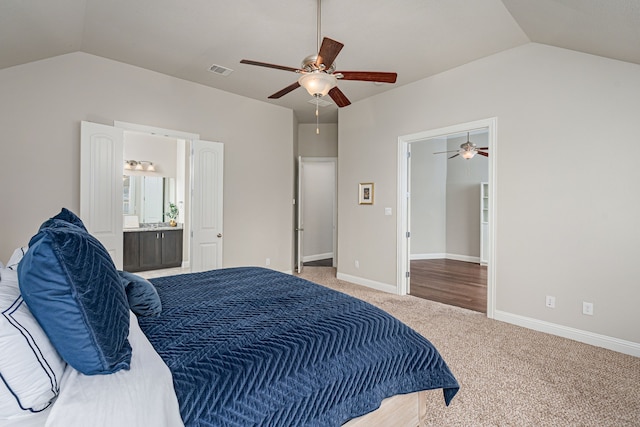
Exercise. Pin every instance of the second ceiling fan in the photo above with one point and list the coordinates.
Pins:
(319, 75)
(467, 150)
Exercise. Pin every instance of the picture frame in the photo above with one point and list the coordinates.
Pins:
(365, 193)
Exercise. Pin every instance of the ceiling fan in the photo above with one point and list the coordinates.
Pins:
(319, 75)
(467, 150)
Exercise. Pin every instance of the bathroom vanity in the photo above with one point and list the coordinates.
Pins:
(151, 247)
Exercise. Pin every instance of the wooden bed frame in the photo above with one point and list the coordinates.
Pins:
(399, 410)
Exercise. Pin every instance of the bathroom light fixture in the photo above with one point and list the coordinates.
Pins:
(139, 165)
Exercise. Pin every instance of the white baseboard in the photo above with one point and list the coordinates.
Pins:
(457, 257)
(465, 258)
(417, 257)
(185, 264)
(368, 283)
(317, 257)
(615, 344)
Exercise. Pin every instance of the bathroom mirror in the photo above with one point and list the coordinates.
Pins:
(148, 197)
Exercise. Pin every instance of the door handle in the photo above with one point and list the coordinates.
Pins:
(219, 235)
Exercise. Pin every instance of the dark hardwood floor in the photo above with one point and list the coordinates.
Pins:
(459, 283)
(320, 263)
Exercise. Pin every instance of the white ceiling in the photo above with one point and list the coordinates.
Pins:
(415, 38)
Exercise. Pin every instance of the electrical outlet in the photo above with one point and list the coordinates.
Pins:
(357, 263)
(587, 308)
(551, 301)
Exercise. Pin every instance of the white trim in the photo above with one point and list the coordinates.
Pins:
(170, 133)
(418, 257)
(317, 257)
(611, 343)
(402, 245)
(465, 258)
(402, 227)
(455, 257)
(385, 287)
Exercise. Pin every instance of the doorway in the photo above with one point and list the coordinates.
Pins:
(102, 189)
(317, 230)
(435, 229)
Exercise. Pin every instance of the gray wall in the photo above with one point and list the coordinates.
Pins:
(428, 199)
(566, 201)
(41, 107)
(324, 144)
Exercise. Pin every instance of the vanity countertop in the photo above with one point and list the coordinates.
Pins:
(149, 227)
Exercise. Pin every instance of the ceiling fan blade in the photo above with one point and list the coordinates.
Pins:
(483, 153)
(369, 76)
(329, 50)
(482, 148)
(286, 90)
(443, 152)
(338, 97)
(265, 64)
(455, 155)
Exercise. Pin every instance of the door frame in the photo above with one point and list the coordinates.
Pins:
(403, 202)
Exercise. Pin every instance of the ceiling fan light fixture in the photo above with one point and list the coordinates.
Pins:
(467, 154)
(318, 84)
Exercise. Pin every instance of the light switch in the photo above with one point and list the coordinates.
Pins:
(387, 211)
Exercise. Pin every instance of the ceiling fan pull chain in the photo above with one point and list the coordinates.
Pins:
(317, 116)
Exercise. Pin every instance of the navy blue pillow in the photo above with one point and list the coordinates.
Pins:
(65, 216)
(142, 295)
(73, 289)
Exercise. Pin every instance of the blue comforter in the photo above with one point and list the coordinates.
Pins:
(252, 346)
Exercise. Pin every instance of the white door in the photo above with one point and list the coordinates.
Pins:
(408, 236)
(300, 218)
(206, 205)
(101, 194)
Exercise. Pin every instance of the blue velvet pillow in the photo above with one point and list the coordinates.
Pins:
(65, 216)
(73, 289)
(142, 295)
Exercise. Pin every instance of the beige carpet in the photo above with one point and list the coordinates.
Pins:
(508, 375)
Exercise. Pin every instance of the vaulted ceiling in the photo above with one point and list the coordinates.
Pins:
(415, 38)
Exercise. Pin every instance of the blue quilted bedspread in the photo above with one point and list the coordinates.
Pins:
(251, 346)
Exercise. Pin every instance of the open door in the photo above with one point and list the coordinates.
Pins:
(101, 185)
(206, 205)
(408, 234)
(300, 220)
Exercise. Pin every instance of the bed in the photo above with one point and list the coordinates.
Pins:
(230, 347)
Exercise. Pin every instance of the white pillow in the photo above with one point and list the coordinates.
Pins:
(30, 367)
(16, 257)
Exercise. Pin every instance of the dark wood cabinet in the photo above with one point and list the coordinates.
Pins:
(131, 253)
(151, 250)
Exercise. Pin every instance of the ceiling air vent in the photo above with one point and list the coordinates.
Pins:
(219, 69)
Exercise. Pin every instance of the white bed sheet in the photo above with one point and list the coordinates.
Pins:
(142, 396)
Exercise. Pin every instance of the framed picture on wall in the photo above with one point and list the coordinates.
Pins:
(365, 193)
